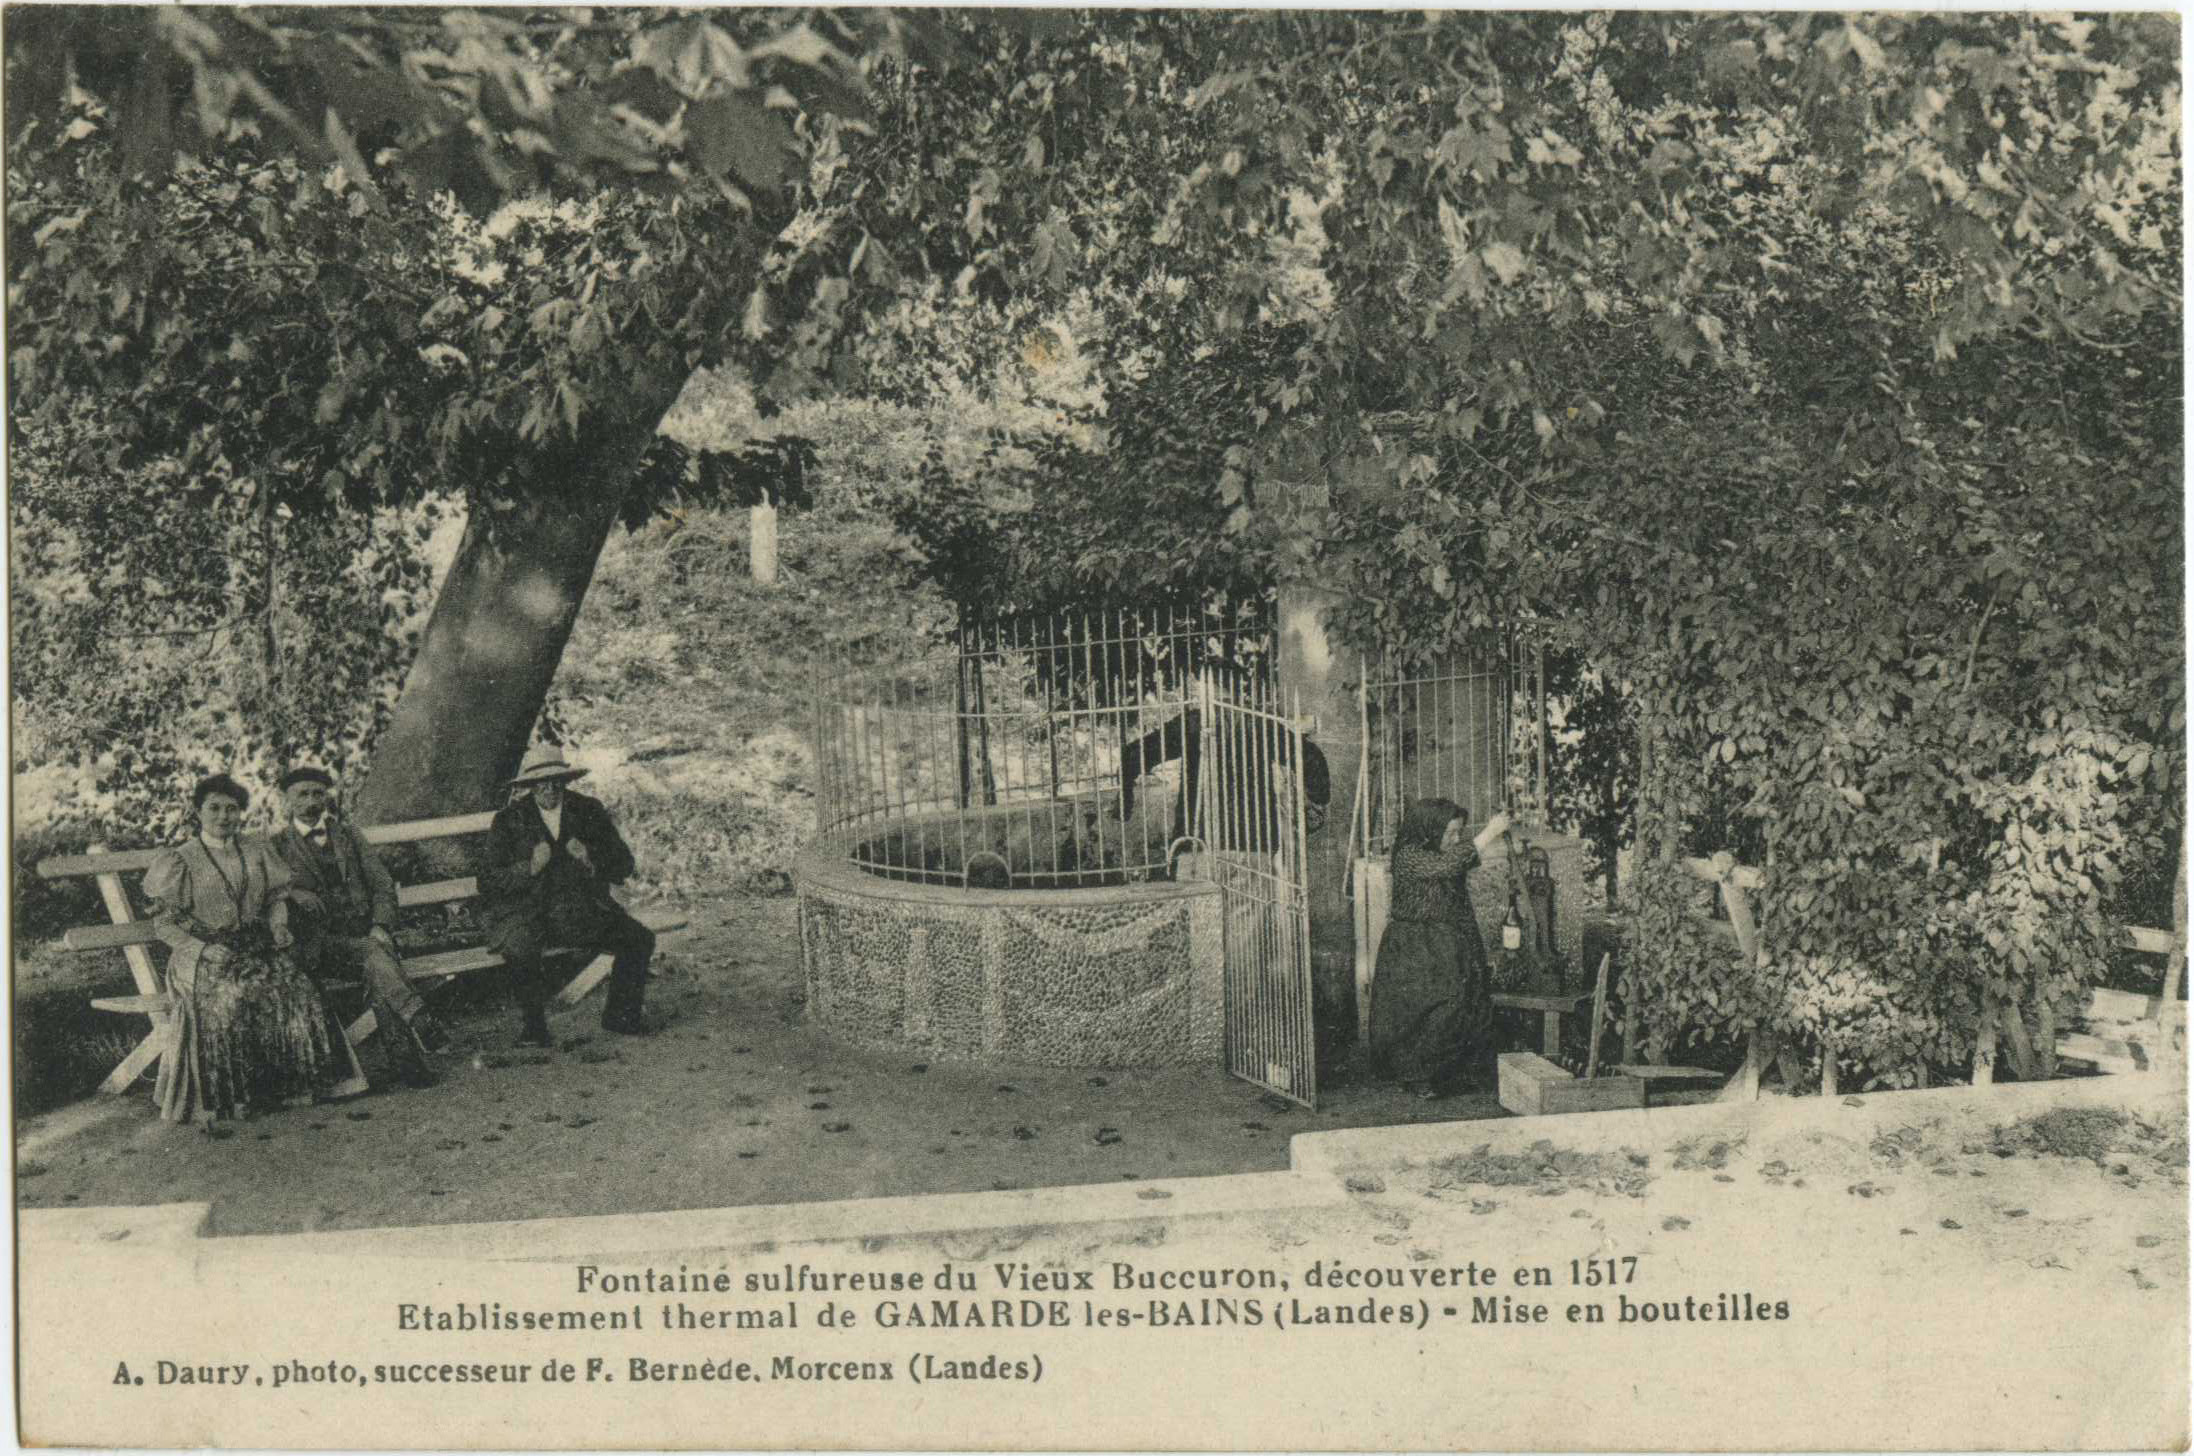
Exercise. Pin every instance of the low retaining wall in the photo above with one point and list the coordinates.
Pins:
(1121, 976)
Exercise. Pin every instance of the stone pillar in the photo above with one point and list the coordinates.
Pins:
(1323, 677)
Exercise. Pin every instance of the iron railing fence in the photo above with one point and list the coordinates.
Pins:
(1469, 727)
(1048, 750)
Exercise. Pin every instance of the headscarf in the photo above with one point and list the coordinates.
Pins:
(1423, 825)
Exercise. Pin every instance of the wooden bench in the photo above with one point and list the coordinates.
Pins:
(135, 936)
(2119, 1031)
(2122, 1031)
(2125, 1031)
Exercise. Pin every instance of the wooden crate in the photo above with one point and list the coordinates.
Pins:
(1532, 1086)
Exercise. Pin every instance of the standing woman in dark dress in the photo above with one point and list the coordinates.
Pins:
(1432, 993)
(251, 1028)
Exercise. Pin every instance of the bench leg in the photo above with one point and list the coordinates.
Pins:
(366, 1025)
(164, 1028)
(131, 1067)
(355, 1085)
(1363, 999)
(2015, 1041)
(1744, 1086)
(1550, 1033)
(1984, 1043)
(595, 974)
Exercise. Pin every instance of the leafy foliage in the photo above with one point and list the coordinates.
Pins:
(1592, 777)
(1812, 379)
(1139, 506)
(258, 339)
(480, 103)
(166, 628)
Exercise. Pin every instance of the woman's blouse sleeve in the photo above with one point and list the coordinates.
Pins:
(1430, 863)
(167, 885)
(279, 875)
(279, 879)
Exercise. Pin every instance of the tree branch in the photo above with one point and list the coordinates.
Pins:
(166, 632)
(1973, 648)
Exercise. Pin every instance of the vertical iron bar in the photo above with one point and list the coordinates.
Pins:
(1090, 723)
(1207, 787)
(879, 736)
(895, 804)
(1127, 702)
(1051, 708)
(1009, 718)
(1298, 929)
(941, 734)
(822, 768)
(1443, 717)
(1539, 742)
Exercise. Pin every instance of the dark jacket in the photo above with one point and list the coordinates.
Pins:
(355, 887)
(1252, 748)
(507, 881)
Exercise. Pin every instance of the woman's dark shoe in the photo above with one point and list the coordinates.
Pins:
(632, 1024)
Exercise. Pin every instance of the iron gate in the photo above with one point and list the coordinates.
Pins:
(1252, 825)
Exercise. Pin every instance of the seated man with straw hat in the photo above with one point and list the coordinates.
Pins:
(552, 856)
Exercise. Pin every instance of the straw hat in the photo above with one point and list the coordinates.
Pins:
(545, 765)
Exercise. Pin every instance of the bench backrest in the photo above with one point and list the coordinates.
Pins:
(125, 861)
(130, 861)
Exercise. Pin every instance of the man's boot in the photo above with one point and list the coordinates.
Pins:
(431, 1033)
(625, 1019)
(404, 1048)
(535, 1032)
(622, 1012)
(628, 988)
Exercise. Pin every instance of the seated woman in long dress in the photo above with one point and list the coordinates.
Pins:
(1432, 993)
(253, 1031)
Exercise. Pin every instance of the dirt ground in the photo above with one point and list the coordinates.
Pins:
(1940, 1270)
(1948, 1276)
(1952, 1270)
(736, 1101)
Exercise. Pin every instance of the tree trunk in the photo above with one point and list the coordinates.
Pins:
(493, 643)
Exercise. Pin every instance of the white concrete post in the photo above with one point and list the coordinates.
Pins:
(762, 544)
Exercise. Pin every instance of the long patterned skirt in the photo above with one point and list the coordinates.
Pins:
(251, 1033)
